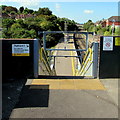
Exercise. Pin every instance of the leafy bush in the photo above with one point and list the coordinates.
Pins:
(117, 31)
(107, 33)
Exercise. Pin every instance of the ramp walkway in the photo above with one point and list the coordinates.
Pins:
(65, 66)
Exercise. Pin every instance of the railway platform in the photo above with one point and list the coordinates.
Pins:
(50, 99)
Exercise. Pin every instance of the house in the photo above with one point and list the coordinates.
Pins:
(98, 23)
(4, 15)
(103, 23)
(14, 16)
(114, 20)
(23, 16)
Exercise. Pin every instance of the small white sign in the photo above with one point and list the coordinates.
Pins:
(107, 43)
(20, 50)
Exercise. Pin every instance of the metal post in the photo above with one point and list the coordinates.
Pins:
(36, 57)
(113, 27)
(65, 35)
(54, 63)
(86, 41)
(95, 59)
(1, 72)
(44, 40)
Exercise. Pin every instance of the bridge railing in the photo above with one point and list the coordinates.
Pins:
(89, 65)
(44, 60)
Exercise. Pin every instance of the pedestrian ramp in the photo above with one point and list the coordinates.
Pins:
(88, 67)
(65, 58)
(74, 84)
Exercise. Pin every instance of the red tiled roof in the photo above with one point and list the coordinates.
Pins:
(116, 18)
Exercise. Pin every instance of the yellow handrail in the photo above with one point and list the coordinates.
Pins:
(43, 58)
(84, 63)
(87, 53)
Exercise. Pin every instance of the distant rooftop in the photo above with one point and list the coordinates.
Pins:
(116, 18)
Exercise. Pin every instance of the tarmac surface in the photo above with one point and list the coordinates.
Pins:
(37, 102)
(10, 95)
(112, 86)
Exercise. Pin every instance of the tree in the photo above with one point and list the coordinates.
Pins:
(117, 31)
(44, 11)
(22, 23)
(21, 9)
(51, 18)
(53, 39)
(47, 25)
(88, 25)
(28, 11)
(3, 7)
(17, 31)
(29, 27)
(71, 25)
(32, 33)
(7, 22)
(6, 33)
(15, 26)
(107, 33)
(8, 9)
(12, 12)
(29, 34)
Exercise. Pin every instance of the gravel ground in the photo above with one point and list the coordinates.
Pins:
(10, 96)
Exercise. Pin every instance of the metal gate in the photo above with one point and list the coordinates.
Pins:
(109, 64)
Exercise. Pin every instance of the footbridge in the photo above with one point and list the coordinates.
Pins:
(67, 59)
(63, 81)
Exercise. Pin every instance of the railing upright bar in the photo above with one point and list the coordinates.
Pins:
(95, 59)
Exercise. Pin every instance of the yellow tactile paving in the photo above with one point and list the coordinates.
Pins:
(85, 84)
(89, 84)
(67, 84)
(39, 81)
(54, 84)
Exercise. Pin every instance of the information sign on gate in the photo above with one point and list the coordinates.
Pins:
(107, 43)
(117, 41)
(20, 50)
